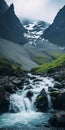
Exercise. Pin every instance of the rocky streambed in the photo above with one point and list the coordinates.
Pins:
(32, 102)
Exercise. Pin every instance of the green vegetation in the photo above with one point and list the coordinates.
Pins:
(55, 54)
(54, 93)
(41, 59)
(40, 97)
(9, 67)
(50, 65)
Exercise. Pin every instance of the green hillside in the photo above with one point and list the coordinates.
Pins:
(8, 67)
(59, 62)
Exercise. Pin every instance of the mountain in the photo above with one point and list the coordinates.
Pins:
(34, 28)
(10, 26)
(3, 6)
(29, 55)
(55, 33)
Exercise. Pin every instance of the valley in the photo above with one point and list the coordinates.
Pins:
(32, 72)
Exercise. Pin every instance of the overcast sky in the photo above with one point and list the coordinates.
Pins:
(37, 9)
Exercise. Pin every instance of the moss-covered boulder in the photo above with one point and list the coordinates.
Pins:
(41, 102)
(58, 99)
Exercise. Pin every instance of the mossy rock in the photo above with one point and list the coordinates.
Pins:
(54, 93)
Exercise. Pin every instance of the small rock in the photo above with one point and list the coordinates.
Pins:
(17, 81)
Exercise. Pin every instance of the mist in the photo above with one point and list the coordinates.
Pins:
(44, 10)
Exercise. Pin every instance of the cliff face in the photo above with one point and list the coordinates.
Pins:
(10, 26)
(3, 6)
(56, 31)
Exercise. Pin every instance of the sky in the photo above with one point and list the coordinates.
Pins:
(44, 10)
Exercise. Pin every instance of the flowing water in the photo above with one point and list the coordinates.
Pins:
(22, 111)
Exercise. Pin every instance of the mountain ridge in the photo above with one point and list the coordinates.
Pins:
(10, 26)
(55, 33)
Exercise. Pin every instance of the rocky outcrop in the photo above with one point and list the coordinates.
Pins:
(58, 98)
(41, 102)
(58, 119)
(4, 100)
(9, 85)
(56, 31)
(10, 26)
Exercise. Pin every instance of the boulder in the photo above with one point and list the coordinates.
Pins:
(41, 102)
(4, 100)
(58, 99)
(58, 85)
(50, 89)
(58, 119)
(29, 94)
(17, 81)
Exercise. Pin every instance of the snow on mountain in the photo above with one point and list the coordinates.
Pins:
(35, 29)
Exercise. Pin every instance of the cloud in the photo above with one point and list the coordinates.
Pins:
(37, 9)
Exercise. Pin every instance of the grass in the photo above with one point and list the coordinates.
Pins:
(55, 54)
(50, 65)
(7, 66)
(41, 59)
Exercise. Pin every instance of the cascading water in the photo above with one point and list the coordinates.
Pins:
(22, 106)
(20, 102)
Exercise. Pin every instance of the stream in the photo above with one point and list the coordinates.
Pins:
(22, 112)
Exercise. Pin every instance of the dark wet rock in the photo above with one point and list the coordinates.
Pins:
(29, 94)
(41, 102)
(28, 87)
(58, 85)
(50, 89)
(58, 99)
(27, 82)
(10, 88)
(4, 100)
(33, 78)
(17, 82)
(37, 80)
(58, 119)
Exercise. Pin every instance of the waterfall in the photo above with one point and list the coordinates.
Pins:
(20, 102)
(22, 110)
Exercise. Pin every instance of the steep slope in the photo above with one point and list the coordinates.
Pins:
(16, 53)
(56, 31)
(9, 68)
(43, 51)
(50, 67)
(10, 26)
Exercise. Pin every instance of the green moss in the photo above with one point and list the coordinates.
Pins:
(39, 97)
(54, 93)
(8, 66)
(50, 65)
